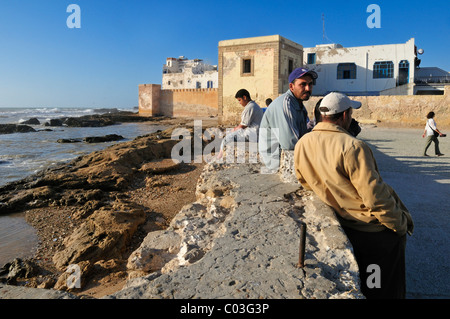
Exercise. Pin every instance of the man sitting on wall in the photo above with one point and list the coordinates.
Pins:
(250, 120)
(342, 171)
(285, 121)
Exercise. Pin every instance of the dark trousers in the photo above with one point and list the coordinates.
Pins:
(430, 139)
(385, 250)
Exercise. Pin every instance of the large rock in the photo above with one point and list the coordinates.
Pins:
(54, 122)
(104, 235)
(15, 128)
(88, 121)
(18, 268)
(158, 248)
(159, 166)
(103, 139)
(31, 121)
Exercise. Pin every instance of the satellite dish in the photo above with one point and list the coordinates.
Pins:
(420, 51)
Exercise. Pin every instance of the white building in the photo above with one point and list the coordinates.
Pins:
(182, 73)
(366, 70)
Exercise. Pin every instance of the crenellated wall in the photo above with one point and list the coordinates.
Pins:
(189, 103)
(402, 110)
(177, 102)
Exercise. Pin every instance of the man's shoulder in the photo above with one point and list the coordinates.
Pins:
(336, 133)
(353, 144)
(252, 105)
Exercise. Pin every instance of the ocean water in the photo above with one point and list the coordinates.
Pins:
(23, 154)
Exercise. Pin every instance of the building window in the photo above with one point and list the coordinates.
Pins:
(198, 85)
(291, 66)
(383, 70)
(346, 71)
(311, 58)
(209, 84)
(403, 72)
(247, 66)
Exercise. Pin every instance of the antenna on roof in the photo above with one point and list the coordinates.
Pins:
(323, 28)
(324, 36)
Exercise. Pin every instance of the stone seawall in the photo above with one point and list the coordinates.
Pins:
(241, 240)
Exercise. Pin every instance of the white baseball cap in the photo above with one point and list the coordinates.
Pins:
(335, 102)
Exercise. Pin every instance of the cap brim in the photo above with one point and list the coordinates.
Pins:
(313, 74)
(355, 104)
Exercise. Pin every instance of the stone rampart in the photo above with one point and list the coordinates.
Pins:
(401, 110)
(241, 240)
(177, 102)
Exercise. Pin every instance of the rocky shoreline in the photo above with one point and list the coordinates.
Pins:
(95, 210)
(138, 225)
(94, 120)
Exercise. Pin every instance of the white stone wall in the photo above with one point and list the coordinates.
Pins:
(188, 74)
(328, 58)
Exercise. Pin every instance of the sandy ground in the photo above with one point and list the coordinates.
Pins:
(423, 184)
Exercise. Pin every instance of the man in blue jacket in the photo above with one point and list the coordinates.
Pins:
(284, 122)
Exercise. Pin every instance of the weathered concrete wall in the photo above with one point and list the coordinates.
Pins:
(177, 103)
(149, 99)
(189, 103)
(402, 110)
(327, 60)
(241, 240)
(259, 83)
(269, 56)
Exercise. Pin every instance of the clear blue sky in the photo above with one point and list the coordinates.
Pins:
(122, 44)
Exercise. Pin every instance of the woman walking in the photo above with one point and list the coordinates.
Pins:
(432, 134)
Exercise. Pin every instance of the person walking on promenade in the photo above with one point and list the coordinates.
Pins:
(342, 172)
(432, 133)
(285, 120)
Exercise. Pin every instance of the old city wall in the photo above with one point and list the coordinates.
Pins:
(177, 103)
(402, 110)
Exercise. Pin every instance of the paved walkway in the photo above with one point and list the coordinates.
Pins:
(423, 184)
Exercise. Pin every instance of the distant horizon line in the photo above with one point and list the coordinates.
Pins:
(69, 107)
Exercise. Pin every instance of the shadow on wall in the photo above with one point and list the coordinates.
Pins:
(166, 103)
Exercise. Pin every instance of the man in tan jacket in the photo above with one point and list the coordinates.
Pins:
(342, 171)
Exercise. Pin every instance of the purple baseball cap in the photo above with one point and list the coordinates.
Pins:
(299, 72)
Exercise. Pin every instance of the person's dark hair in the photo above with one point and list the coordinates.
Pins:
(241, 93)
(430, 115)
(268, 101)
(317, 115)
(334, 117)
